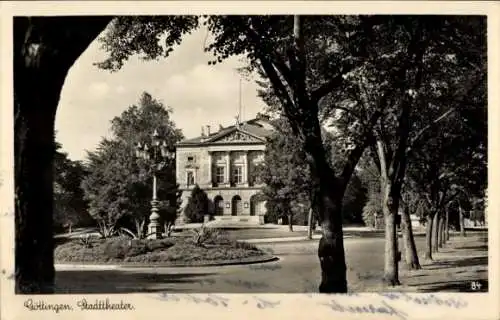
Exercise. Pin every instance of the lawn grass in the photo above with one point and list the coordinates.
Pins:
(176, 250)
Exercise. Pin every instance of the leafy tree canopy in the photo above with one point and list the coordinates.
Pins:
(70, 208)
(119, 185)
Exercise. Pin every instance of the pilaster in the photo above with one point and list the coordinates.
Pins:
(245, 169)
(227, 176)
(210, 167)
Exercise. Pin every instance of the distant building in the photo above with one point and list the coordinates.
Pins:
(223, 163)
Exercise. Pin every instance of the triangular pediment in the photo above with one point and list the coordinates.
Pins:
(237, 136)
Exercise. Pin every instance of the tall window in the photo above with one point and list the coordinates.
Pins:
(238, 174)
(190, 178)
(219, 174)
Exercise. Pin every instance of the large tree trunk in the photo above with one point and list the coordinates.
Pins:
(301, 109)
(461, 221)
(44, 50)
(443, 238)
(331, 249)
(447, 224)
(435, 230)
(411, 256)
(440, 231)
(389, 208)
(443, 230)
(290, 222)
(310, 224)
(34, 149)
(390, 194)
(328, 192)
(428, 237)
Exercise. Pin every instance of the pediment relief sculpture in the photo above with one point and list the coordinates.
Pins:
(238, 137)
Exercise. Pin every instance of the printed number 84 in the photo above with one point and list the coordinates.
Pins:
(476, 285)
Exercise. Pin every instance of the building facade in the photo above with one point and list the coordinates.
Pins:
(223, 164)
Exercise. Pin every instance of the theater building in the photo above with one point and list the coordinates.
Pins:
(223, 163)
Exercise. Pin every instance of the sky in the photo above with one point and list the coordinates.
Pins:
(199, 94)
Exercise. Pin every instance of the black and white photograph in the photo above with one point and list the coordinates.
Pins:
(283, 153)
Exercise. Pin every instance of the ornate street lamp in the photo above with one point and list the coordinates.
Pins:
(157, 154)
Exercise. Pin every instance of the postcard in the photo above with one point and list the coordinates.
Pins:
(246, 159)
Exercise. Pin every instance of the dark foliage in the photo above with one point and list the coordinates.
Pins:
(197, 206)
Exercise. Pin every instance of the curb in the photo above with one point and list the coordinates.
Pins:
(131, 265)
(286, 239)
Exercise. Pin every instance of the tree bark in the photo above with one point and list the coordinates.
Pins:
(428, 237)
(290, 222)
(461, 221)
(411, 256)
(447, 224)
(44, 50)
(328, 190)
(389, 208)
(443, 231)
(33, 182)
(435, 230)
(331, 250)
(390, 194)
(310, 224)
(440, 231)
(328, 193)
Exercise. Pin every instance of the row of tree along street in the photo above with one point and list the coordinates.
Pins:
(404, 95)
(113, 188)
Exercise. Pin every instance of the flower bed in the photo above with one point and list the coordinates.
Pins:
(177, 251)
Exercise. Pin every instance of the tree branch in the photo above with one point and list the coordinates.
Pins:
(472, 86)
(276, 82)
(375, 158)
(274, 56)
(328, 87)
(427, 127)
(298, 60)
(399, 160)
(382, 159)
(350, 111)
(357, 152)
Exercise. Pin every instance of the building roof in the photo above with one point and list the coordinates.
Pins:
(259, 128)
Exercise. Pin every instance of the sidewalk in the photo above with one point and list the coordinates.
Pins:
(244, 225)
(284, 239)
(454, 268)
(349, 232)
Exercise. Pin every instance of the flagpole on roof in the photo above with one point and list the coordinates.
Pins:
(240, 104)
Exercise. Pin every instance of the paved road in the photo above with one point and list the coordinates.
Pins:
(297, 271)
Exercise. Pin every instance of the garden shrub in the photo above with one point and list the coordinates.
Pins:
(197, 206)
(120, 248)
(205, 235)
(244, 245)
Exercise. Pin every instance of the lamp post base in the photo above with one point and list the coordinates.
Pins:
(154, 227)
(154, 231)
